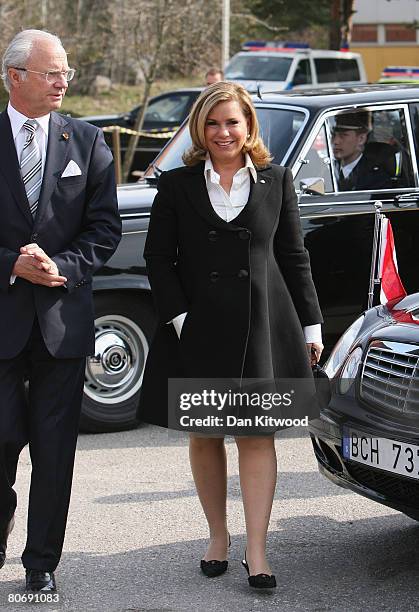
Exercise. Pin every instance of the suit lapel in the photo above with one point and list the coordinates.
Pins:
(9, 167)
(198, 196)
(59, 135)
(258, 193)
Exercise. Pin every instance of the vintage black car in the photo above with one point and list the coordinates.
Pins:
(164, 114)
(337, 225)
(367, 439)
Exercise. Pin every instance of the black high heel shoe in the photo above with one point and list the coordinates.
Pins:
(259, 581)
(214, 567)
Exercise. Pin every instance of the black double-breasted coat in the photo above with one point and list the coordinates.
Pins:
(246, 285)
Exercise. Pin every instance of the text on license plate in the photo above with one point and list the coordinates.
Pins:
(381, 453)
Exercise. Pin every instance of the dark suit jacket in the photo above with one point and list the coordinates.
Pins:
(246, 285)
(78, 226)
(375, 170)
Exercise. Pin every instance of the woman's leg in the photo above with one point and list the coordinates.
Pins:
(257, 467)
(209, 468)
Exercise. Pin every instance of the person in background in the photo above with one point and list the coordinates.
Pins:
(213, 75)
(231, 281)
(358, 165)
(59, 223)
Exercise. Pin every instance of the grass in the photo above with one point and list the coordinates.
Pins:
(121, 98)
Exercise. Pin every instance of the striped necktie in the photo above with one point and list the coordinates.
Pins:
(31, 165)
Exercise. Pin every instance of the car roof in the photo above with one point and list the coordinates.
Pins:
(292, 52)
(342, 96)
(182, 89)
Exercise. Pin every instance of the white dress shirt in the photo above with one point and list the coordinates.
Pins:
(19, 133)
(228, 206)
(19, 137)
(347, 169)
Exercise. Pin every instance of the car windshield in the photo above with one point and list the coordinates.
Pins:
(278, 128)
(167, 109)
(258, 68)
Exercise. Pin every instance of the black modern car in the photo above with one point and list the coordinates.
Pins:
(164, 114)
(337, 225)
(367, 439)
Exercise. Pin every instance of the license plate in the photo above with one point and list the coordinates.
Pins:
(381, 453)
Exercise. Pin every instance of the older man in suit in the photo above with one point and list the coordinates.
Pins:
(59, 223)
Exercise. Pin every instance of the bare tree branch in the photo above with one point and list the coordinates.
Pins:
(258, 21)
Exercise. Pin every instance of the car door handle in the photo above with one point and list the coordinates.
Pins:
(406, 200)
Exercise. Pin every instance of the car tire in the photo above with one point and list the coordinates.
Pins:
(123, 328)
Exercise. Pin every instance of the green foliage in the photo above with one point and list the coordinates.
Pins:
(296, 15)
(4, 97)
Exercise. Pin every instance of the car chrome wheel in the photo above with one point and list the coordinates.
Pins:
(114, 373)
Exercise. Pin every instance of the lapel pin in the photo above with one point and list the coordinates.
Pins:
(65, 135)
(262, 181)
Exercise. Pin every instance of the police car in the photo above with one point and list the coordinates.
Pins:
(400, 74)
(274, 66)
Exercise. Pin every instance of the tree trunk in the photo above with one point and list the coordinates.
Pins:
(346, 28)
(149, 73)
(133, 141)
(334, 32)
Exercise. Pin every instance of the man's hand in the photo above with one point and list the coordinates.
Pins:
(34, 265)
(314, 350)
(47, 264)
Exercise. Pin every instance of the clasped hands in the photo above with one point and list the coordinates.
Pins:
(34, 265)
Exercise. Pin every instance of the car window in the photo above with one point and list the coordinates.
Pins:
(258, 68)
(414, 117)
(168, 109)
(332, 69)
(302, 74)
(316, 164)
(348, 70)
(370, 150)
(278, 127)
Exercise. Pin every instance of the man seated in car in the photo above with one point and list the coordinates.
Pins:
(359, 165)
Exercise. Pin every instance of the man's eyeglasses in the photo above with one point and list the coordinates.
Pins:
(52, 76)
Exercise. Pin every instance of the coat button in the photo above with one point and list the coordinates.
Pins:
(244, 234)
(243, 274)
(214, 276)
(34, 237)
(213, 236)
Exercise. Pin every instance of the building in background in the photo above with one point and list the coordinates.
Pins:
(384, 33)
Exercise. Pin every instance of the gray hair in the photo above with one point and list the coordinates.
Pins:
(19, 50)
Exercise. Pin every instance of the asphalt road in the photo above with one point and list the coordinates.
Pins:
(136, 533)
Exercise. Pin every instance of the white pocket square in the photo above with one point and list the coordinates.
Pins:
(71, 169)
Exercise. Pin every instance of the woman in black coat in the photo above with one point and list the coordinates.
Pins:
(235, 299)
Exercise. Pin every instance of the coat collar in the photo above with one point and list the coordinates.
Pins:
(198, 196)
(60, 132)
(9, 167)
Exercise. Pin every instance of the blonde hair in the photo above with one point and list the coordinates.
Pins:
(224, 91)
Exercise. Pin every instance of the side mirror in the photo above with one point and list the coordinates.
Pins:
(313, 186)
(129, 119)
